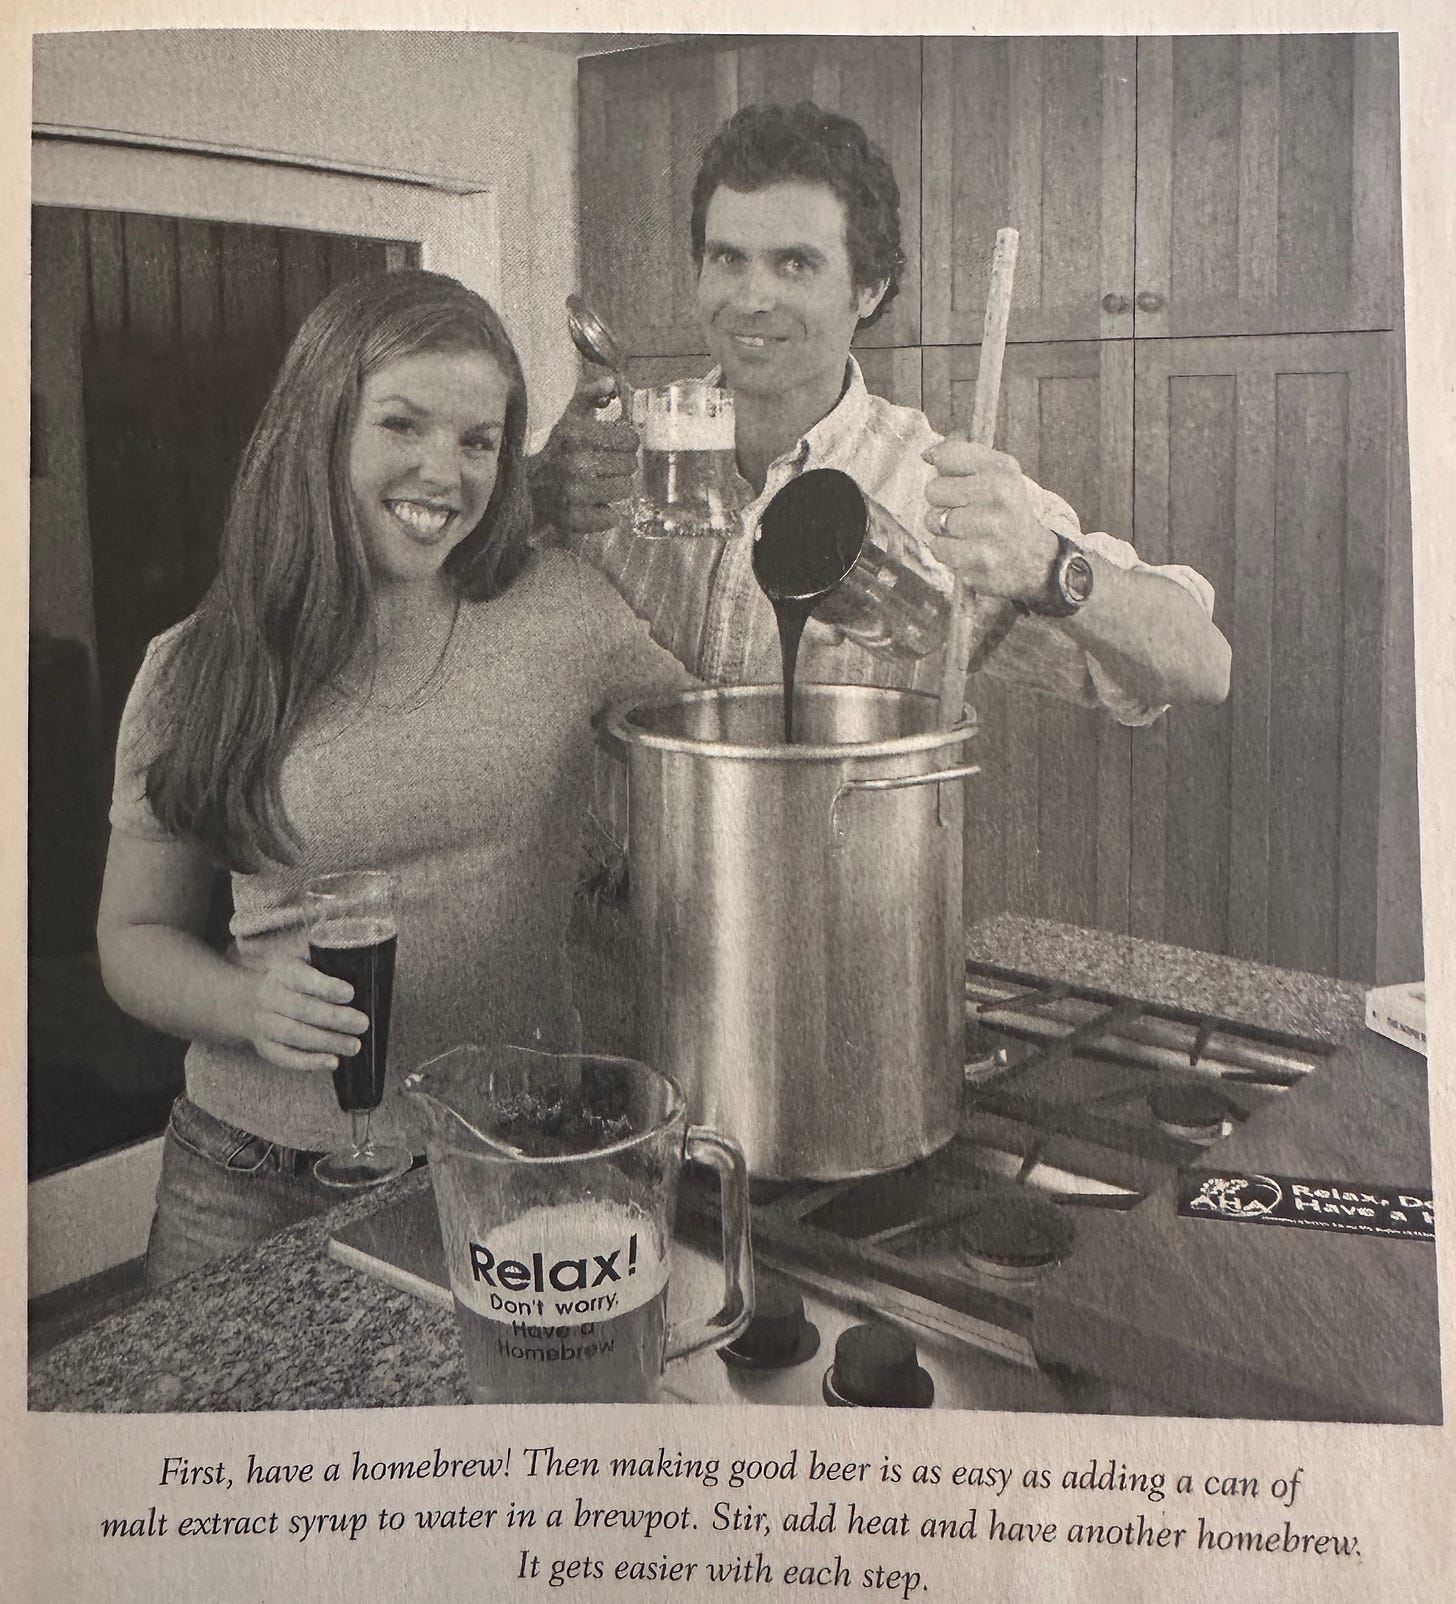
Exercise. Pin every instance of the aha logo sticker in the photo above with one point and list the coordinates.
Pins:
(1238, 1197)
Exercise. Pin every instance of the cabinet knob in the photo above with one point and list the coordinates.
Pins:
(1116, 303)
(1150, 301)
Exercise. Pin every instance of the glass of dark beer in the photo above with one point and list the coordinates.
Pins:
(352, 935)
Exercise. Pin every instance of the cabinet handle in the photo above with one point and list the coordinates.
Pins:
(1116, 303)
(1150, 301)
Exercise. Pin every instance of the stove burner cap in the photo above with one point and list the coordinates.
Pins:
(876, 1366)
(1192, 1109)
(1014, 1228)
(778, 1335)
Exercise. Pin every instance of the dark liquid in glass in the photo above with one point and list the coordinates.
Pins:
(361, 952)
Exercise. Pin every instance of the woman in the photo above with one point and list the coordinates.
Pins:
(384, 675)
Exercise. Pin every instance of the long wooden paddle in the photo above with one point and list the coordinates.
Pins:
(963, 619)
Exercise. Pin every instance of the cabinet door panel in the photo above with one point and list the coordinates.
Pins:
(877, 82)
(1047, 820)
(644, 118)
(1268, 184)
(896, 375)
(1263, 464)
(1037, 135)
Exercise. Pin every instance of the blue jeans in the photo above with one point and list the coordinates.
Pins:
(222, 1190)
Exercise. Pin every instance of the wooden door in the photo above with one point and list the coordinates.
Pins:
(1263, 463)
(1038, 135)
(156, 340)
(644, 117)
(1268, 184)
(1047, 821)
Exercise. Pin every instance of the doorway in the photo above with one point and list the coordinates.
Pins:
(166, 286)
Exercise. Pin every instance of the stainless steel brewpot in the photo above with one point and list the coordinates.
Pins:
(797, 912)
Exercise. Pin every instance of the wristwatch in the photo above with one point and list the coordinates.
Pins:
(1069, 584)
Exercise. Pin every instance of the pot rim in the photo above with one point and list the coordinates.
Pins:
(619, 723)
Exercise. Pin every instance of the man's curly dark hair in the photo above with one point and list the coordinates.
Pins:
(767, 144)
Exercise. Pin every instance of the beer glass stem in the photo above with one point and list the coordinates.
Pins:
(360, 1120)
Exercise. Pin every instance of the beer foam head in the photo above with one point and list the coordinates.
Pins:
(687, 431)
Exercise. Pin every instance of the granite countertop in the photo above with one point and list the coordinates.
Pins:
(1236, 989)
(280, 1326)
(285, 1326)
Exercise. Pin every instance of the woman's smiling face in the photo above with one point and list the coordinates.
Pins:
(423, 458)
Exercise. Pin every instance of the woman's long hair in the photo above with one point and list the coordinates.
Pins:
(291, 605)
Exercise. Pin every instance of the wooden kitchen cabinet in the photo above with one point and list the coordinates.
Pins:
(1254, 828)
(1263, 172)
(1268, 184)
(1037, 135)
(645, 117)
(1265, 465)
(1066, 415)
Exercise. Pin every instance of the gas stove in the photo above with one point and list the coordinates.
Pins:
(919, 1287)
(1076, 1100)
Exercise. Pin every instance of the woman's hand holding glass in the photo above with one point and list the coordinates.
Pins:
(301, 1018)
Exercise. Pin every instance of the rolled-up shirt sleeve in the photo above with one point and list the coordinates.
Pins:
(1100, 686)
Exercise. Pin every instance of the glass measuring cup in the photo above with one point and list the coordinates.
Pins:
(555, 1177)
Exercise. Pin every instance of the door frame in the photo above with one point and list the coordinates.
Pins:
(456, 228)
(96, 1213)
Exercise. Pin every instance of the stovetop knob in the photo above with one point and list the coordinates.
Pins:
(779, 1335)
(1193, 1109)
(877, 1366)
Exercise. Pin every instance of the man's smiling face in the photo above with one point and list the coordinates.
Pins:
(776, 294)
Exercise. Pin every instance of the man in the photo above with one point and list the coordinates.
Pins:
(796, 237)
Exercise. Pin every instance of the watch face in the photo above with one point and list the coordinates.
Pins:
(1076, 577)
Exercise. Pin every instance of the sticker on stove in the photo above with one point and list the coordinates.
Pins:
(1398, 1211)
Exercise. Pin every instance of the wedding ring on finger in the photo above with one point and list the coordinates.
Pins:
(943, 522)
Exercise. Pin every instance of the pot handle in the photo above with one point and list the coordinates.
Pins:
(899, 782)
(707, 1147)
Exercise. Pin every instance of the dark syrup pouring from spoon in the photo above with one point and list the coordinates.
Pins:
(808, 539)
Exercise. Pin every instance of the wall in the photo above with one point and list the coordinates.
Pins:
(458, 105)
